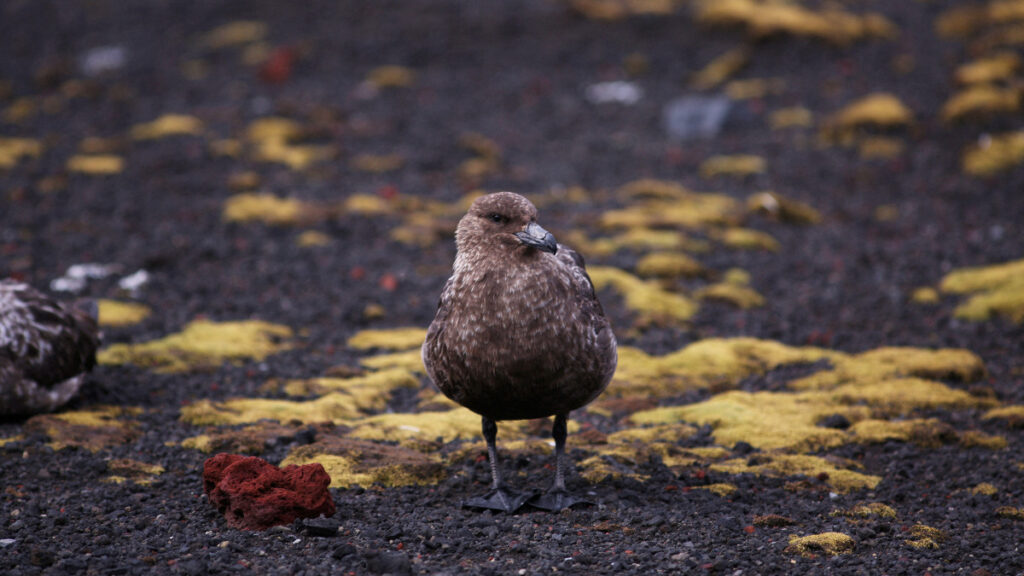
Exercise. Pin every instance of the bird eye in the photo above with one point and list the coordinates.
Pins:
(498, 218)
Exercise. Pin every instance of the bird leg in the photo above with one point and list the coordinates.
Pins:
(499, 498)
(557, 498)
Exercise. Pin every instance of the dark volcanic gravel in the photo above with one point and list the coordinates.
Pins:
(517, 73)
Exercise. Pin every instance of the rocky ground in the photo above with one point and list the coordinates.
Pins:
(303, 164)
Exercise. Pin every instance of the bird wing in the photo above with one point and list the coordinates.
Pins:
(42, 339)
(592, 312)
(584, 286)
(437, 326)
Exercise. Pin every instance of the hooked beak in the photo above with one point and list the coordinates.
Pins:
(538, 237)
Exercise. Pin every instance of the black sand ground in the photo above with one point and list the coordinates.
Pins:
(516, 72)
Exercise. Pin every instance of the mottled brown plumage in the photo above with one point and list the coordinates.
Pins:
(519, 332)
(45, 350)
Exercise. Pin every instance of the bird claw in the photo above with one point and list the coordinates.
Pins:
(501, 499)
(556, 500)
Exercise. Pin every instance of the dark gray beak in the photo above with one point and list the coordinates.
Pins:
(538, 237)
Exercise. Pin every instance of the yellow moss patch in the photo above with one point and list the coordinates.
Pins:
(735, 294)
(1014, 415)
(246, 440)
(377, 163)
(828, 543)
(93, 429)
(8, 439)
(880, 147)
(980, 99)
(880, 109)
(925, 295)
(234, 34)
(788, 421)
(994, 154)
(722, 489)
(970, 280)
(720, 69)
(738, 165)
(313, 238)
(514, 448)
(12, 150)
(639, 239)
(274, 140)
(391, 77)
(929, 432)
(903, 395)
(202, 344)
(1010, 512)
(167, 125)
(457, 424)
(753, 88)
(866, 511)
(795, 117)
(767, 18)
(782, 208)
(971, 438)
(356, 462)
(618, 9)
(96, 164)
(257, 207)
(766, 420)
(670, 433)
(336, 407)
(651, 189)
(599, 468)
(995, 290)
(922, 536)
(370, 391)
(124, 469)
(994, 68)
(668, 265)
(368, 204)
(713, 362)
(649, 300)
(115, 313)
(747, 239)
(389, 339)
(227, 147)
(410, 360)
(985, 489)
(893, 362)
(660, 204)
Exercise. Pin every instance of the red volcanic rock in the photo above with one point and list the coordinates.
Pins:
(254, 494)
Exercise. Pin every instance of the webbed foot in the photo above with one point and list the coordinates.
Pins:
(556, 500)
(501, 499)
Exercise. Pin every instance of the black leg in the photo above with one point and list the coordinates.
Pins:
(499, 498)
(557, 498)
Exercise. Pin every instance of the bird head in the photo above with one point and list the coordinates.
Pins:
(503, 219)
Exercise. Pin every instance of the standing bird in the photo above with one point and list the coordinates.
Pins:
(45, 349)
(519, 334)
